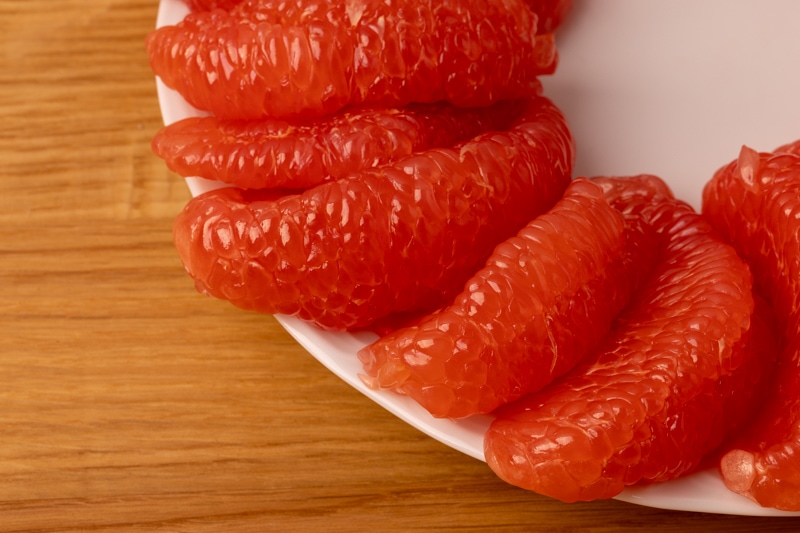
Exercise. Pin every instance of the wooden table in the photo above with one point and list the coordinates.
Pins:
(132, 403)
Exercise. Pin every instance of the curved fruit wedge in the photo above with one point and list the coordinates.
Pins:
(652, 401)
(755, 202)
(397, 238)
(544, 299)
(274, 153)
(308, 58)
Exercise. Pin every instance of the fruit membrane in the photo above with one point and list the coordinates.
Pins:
(308, 58)
(544, 300)
(673, 378)
(297, 154)
(396, 238)
(754, 201)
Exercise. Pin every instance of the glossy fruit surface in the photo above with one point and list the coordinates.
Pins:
(307, 58)
(543, 301)
(394, 238)
(299, 154)
(652, 401)
(755, 202)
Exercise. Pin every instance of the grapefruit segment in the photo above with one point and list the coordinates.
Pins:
(396, 238)
(273, 153)
(544, 299)
(654, 398)
(755, 202)
(308, 58)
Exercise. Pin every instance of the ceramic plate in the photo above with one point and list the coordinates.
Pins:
(671, 88)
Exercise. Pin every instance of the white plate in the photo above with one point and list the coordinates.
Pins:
(668, 87)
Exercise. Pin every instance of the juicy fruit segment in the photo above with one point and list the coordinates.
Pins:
(395, 238)
(755, 202)
(307, 58)
(652, 401)
(604, 455)
(544, 299)
(300, 154)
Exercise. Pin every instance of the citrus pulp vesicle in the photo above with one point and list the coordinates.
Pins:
(273, 153)
(652, 401)
(308, 58)
(544, 300)
(755, 202)
(396, 238)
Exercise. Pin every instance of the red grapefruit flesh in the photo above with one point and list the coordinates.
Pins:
(307, 58)
(652, 401)
(389, 239)
(544, 299)
(755, 202)
(300, 154)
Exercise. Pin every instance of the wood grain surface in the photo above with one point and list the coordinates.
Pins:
(129, 402)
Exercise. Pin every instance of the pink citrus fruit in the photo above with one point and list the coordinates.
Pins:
(307, 58)
(652, 400)
(299, 154)
(544, 300)
(395, 238)
(754, 201)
